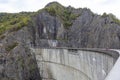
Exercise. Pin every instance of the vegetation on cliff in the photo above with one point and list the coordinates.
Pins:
(55, 9)
(114, 18)
(13, 21)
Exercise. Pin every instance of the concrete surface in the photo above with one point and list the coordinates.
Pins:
(74, 64)
(115, 72)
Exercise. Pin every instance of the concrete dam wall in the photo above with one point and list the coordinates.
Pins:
(74, 64)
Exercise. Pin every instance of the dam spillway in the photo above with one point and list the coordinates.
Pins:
(74, 64)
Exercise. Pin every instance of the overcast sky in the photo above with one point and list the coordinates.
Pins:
(97, 6)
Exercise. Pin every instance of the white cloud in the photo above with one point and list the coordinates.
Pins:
(97, 6)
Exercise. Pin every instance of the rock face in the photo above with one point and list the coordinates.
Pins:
(73, 64)
(86, 29)
(94, 31)
(55, 26)
(16, 59)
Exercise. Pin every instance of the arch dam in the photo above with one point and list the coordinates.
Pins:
(77, 63)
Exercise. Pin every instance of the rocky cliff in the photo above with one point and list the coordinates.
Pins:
(72, 27)
(52, 26)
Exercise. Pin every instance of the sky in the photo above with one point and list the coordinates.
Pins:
(97, 6)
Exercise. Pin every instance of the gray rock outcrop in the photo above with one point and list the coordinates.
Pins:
(87, 30)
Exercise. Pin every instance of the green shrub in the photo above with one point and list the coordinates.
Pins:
(104, 15)
(51, 11)
(116, 20)
(67, 18)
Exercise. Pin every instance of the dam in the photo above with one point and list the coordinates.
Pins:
(74, 64)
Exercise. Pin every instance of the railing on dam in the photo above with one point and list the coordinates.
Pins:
(100, 50)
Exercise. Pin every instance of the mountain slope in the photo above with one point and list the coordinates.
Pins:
(69, 26)
(76, 27)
